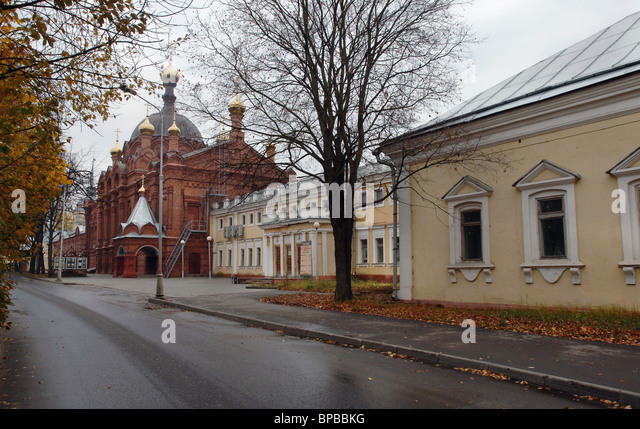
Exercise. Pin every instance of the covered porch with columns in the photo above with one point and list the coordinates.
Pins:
(299, 249)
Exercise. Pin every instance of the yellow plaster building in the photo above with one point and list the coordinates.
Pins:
(284, 231)
(556, 222)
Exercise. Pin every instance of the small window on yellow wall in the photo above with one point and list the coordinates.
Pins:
(549, 223)
(469, 250)
(379, 250)
(364, 251)
(471, 226)
(551, 227)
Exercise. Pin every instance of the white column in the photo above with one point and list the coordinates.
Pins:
(314, 253)
(325, 263)
(268, 250)
(265, 267)
(235, 247)
(283, 269)
(293, 254)
(234, 255)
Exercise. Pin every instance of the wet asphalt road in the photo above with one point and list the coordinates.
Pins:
(91, 347)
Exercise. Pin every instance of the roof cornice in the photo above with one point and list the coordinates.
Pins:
(605, 100)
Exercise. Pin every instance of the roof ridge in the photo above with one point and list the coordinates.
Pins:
(527, 87)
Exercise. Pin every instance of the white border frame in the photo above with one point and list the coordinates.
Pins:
(551, 269)
(363, 234)
(379, 232)
(456, 204)
(629, 182)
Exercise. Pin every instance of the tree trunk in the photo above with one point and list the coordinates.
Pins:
(41, 269)
(343, 234)
(50, 256)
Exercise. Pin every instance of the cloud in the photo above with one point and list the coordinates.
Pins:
(517, 33)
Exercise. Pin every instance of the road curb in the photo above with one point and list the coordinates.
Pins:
(53, 280)
(546, 381)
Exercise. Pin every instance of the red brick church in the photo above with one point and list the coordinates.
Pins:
(121, 233)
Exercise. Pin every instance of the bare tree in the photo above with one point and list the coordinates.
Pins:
(330, 80)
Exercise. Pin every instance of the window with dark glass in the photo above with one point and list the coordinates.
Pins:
(379, 195)
(379, 250)
(471, 235)
(364, 247)
(552, 231)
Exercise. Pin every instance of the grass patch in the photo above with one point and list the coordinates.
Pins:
(609, 325)
(358, 286)
(600, 318)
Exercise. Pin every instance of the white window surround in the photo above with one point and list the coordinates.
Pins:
(258, 253)
(628, 176)
(379, 192)
(478, 199)
(362, 236)
(249, 253)
(241, 253)
(390, 229)
(561, 184)
(378, 233)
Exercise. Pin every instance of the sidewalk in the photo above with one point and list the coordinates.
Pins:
(584, 368)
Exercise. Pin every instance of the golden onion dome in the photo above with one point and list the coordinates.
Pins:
(146, 127)
(169, 74)
(270, 145)
(173, 129)
(142, 190)
(223, 136)
(116, 149)
(236, 105)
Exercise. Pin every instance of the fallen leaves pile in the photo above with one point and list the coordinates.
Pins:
(592, 326)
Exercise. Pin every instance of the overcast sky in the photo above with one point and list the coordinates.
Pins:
(520, 33)
(516, 33)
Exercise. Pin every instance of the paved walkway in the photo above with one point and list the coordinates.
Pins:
(598, 369)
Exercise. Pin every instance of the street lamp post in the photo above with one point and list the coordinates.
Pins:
(159, 285)
(182, 252)
(209, 238)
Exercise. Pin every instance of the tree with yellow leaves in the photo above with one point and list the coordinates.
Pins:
(61, 61)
